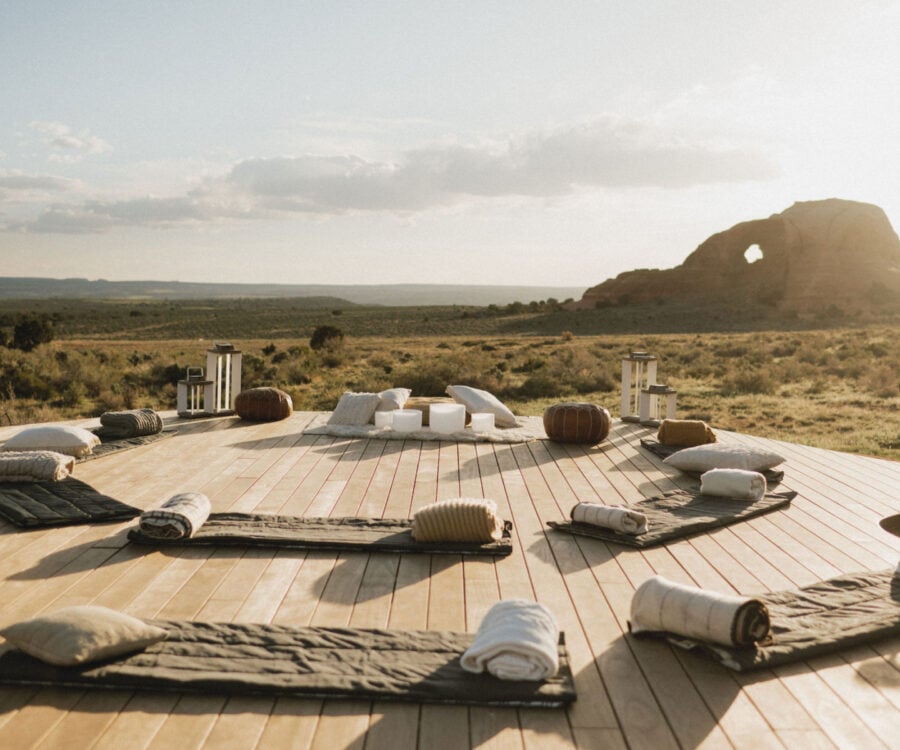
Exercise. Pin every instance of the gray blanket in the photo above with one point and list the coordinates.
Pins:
(817, 619)
(115, 445)
(332, 534)
(681, 513)
(313, 662)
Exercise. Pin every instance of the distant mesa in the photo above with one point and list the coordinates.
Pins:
(814, 255)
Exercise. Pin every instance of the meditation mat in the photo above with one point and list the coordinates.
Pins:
(530, 428)
(681, 513)
(305, 662)
(773, 476)
(818, 619)
(109, 445)
(63, 503)
(330, 534)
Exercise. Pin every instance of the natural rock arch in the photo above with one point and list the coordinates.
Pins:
(814, 254)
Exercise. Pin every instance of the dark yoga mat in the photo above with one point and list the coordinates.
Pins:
(63, 503)
(331, 534)
(681, 513)
(313, 662)
(773, 476)
(109, 446)
(818, 619)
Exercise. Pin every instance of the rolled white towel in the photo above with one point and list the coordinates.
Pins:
(738, 483)
(660, 605)
(177, 518)
(35, 466)
(613, 517)
(517, 640)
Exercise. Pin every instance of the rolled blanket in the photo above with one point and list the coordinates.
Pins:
(462, 519)
(35, 466)
(117, 425)
(517, 640)
(613, 517)
(660, 605)
(737, 483)
(177, 518)
(685, 432)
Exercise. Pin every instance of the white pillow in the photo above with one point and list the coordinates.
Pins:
(76, 635)
(354, 408)
(723, 456)
(392, 398)
(477, 400)
(73, 441)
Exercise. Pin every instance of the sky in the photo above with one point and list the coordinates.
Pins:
(551, 143)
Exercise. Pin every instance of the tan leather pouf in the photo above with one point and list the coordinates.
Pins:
(263, 404)
(577, 422)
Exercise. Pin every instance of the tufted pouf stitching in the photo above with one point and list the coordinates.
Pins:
(263, 404)
(576, 422)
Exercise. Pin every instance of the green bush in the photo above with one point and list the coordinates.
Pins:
(325, 335)
(32, 331)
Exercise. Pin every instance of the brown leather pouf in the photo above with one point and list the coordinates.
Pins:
(263, 404)
(576, 422)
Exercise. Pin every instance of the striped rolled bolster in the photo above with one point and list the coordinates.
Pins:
(126, 424)
(177, 518)
(613, 517)
(660, 605)
(35, 466)
(458, 520)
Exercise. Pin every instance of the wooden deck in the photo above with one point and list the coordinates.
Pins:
(631, 693)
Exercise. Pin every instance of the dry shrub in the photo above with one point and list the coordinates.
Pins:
(883, 382)
(747, 382)
(432, 375)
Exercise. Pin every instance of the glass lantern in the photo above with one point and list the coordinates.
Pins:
(657, 403)
(638, 372)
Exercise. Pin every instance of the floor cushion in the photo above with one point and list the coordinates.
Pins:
(263, 404)
(576, 422)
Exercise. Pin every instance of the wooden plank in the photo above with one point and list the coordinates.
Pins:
(632, 693)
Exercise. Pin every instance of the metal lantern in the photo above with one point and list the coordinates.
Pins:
(192, 393)
(212, 393)
(657, 403)
(223, 365)
(638, 372)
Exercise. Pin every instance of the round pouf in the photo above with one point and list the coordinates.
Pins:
(263, 404)
(576, 422)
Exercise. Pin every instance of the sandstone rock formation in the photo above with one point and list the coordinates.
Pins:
(814, 255)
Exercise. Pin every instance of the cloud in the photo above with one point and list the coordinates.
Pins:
(100, 216)
(19, 181)
(607, 153)
(62, 220)
(66, 143)
(24, 188)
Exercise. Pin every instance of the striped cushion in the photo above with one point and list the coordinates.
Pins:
(461, 519)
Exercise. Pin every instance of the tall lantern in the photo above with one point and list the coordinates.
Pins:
(638, 373)
(223, 369)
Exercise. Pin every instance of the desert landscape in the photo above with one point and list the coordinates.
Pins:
(798, 345)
